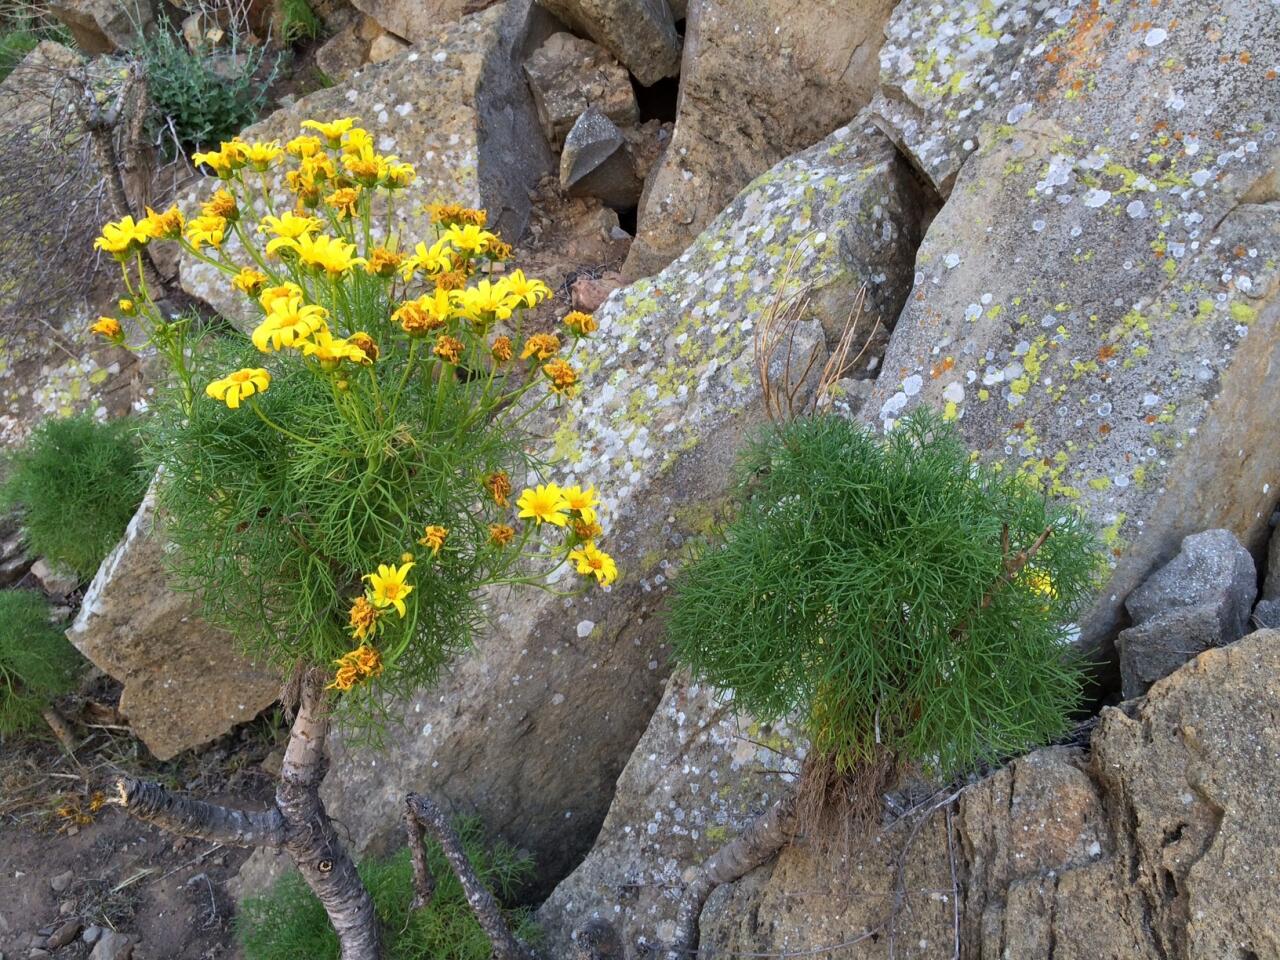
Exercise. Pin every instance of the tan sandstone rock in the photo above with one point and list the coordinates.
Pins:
(640, 33)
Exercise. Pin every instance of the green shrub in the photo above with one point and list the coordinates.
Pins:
(298, 22)
(14, 45)
(203, 96)
(288, 923)
(37, 663)
(20, 34)
(77, 482)
(872, 587)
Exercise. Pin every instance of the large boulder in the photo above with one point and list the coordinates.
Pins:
(1156, 846)
(761, 79)
(457, 108)
(1095, 304)
(532, 727)
(640, 33)
(105, 26)
(185, 683)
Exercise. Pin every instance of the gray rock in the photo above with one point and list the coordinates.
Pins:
(567, 75)
(91, 933)
(104, 26)
(1157, 647)
(640, 33)
(1271, 584)
(185, 683)
(56, 581)
(1096, 302)
(112, 946)
(458, 109)
(60, 882)
(761, 80)
(1211, 569)
(597, 163)
(1266, 615)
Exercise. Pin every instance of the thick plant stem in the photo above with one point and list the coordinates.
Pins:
(423, 812)
(298, 823)
(758, 843)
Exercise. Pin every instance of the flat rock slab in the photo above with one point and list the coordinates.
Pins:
(1095, 305)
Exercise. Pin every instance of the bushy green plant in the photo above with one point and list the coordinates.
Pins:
(903, 601)
(298, 22)
(289, 923)
(77, 482)
(203, 96)
(20, 34)
(14, 45)
(37, 663)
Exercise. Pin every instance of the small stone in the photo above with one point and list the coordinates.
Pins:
(56, 581)
(597, 163)
(385, 47)
(91, 933)
(112, 946)
(62, 881)
(66, 908)
(589, 293)
(64, 934)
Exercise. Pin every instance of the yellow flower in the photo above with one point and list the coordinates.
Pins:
(388, 587)
(262, 155)
(331, 131)
(470, 239)
(582, 502)
(327, 253)
(249, 281)
(221, 204)
(356, 139)
(497, 250)
(437, 258)
(383, 262)
(528, 292)
(163, 226)
(283, 292)
(304, 146)
(543, 346)
(290, 226)
(500, 534)
(450, 214)
(226, 160)
(544, 504)
(363, 618)
(399, 175)
(238, 386)
(486, 302)
(127, 306)
(331, 350)
(580, 323)
(366, 343)
(365, 166)
(499, 484)
(448, 348)
(206, 230)
(344, 202)
(450, 280)
(360, 664)
(107, 327)
(586, 530)
(122, 237)
(501, 348)
(593, 561)
(1040, 582)
(288, 324)
(434, 537)
(428, 312)
(564, 379)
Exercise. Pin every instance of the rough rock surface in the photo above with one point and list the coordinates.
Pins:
(640, 33)
(104, 26)
(567, 75)
(417, 21)
(596, 162)
(761, 79)
(1096, 302)
(1158, 846)
(533, 726)
(185, 683)
(457, 108)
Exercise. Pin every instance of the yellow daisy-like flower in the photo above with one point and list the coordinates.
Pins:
(366, 343)
(332, 130)
(356, 140)
(438, 258)
(127, 306)
(330, 350)
(304, 146)
(383, 262)
(326, 253)
(221, 204)
(433, 537)
(468, 238)
(542, 346)
(544, 503)
(500, 534)
(448, 348)
(285, 291)
(289, 226)
(579, 323)
(122, 237)
(344, 202)
(498, 250)
(206, 230)
(450, 280)
(499, 485)
(487, 302)
(428, 312)
(399, 175)
(501, 348)
(288, 324)
(450, 214)
(363, 618)
(586, 530)
(582, 502)
(226, 160)
(238, 386)
(249, 281)
(387, 586)
(564, 379)
(592, 561)
(262, 155)
(360, 664)
(107, 327)
(163, 226)
(365, 166)
(525, 290)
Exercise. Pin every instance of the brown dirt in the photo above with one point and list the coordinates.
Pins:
(166, 894)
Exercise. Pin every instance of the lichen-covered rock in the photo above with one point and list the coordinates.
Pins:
(640, 33)
(1160, 845)
(1095, 304)
(761, 79)
(533, 726)
(457, 108)
(185, 683)
(567, 75)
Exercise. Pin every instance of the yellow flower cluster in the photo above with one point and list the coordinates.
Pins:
(575, 508)
(362, 663)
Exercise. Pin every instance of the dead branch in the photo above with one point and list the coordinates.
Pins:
(186, 817)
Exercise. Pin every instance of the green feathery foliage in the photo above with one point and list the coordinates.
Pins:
(37, 663)
(298, 22)
(872, 587)
(289, 923)
(77, 483)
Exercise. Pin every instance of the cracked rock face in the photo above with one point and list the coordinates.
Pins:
(761, 79)
(1159, 845)
(1095, 305)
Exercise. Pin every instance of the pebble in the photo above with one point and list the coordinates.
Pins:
(112, 946)
(62, 881)
(64, 934)
(91, 933)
